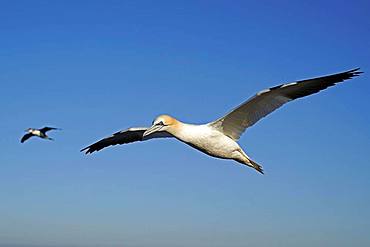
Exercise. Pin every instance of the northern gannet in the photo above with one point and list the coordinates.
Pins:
(218, 138)
(37, 132)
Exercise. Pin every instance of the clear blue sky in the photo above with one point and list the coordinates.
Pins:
(95, 67)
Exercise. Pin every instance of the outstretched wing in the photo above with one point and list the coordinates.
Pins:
(123, 137)
(46, 129)
(26, 137)
(266, 101)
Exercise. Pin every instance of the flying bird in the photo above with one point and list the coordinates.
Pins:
(37, 132)
(219, 138)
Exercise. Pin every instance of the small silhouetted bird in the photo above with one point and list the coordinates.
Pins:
(37, 132)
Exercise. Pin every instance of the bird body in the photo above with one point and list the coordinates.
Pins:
(206, 139)
(36, 132)
(211, 141)
(219, 138)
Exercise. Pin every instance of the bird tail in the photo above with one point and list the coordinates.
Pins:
(256, 166)
(49, 138)
(244, 159)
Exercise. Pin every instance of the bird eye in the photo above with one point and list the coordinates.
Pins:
(160, 123)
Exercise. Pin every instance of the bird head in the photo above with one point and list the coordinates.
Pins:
(28, 130)
(161, 123)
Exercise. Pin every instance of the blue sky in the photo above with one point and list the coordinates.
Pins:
(95, 67)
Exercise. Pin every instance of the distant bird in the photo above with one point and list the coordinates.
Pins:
(37, 132)
(218, 138)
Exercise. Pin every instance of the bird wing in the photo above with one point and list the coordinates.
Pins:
(26, 137)
(263, 103)
(45, 129)
(123, 137)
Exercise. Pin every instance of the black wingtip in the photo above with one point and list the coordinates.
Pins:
(354, 72)
(88, 150)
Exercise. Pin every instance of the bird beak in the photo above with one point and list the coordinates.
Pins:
(152, 129)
